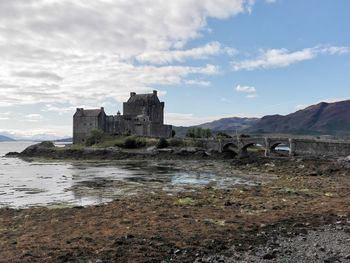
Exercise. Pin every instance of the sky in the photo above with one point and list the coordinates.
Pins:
(208, 59)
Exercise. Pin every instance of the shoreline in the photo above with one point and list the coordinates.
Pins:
(297, 198)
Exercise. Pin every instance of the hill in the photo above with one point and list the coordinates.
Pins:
(322, 118)
(4, 138)
(227, 125)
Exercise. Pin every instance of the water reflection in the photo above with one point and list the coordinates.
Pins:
(25, 184)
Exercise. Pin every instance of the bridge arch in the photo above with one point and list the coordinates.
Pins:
(231, 148)
(275, 143)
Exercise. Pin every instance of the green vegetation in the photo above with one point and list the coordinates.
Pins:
(222, 135)
(96, 136)
(47, 144)
(163, 143)
(99, 139)
(199, 133)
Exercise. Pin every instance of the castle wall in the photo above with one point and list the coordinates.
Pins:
(115, 125)
(143, 116)
(82, 126)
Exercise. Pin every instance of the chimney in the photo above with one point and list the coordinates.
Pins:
(132, 94)
(155, 92)
(102, 109)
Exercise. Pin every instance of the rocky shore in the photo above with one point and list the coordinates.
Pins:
(297, 212)
(47, 151)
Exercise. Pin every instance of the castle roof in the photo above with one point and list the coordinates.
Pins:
(143, 98)
(89, 113)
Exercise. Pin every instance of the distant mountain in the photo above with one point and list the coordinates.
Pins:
(230, 125)
(323, 118)
(227, 125)
(64, 140)
(35, 138)
(5, 139)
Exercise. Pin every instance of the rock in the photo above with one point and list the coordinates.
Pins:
(12, 154)
(332, 259)
(269, 256)
(177, 251)
(165, 150)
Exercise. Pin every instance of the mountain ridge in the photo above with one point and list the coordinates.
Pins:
(319, 119)
(322, 118)
(4, 138)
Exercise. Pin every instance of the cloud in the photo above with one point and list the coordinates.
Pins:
(245, 89)
(38, 75)
(33, 117)
(64, 54)
(128, 26)
(270, 1)
(278, 58)
(84, 52)
(203, 52)
(250, 91)
(196, 82)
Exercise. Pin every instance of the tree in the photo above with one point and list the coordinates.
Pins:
(95, 137)
(198, 132)
(162, 143)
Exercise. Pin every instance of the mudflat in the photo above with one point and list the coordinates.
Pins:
(294, 200)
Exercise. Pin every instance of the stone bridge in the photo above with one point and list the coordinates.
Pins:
(295, 145)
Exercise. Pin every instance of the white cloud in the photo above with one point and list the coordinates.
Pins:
(33, 117)
(63, 53)
(37, 75)
(245, 89)
(277, 58)
(250, 91)
(196, 82)
(84, 52)
(169, 56)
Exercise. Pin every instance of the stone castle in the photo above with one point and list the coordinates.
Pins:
(143, 115)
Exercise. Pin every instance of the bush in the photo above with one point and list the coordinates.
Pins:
(223, 135)
(133, 142)
(130, 143)
(163, 143)
(95, 137)
(47, 144)
(176, 142)
(199, 133)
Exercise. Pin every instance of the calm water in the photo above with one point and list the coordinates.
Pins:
(26, 184)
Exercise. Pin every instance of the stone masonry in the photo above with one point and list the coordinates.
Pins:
(143, 115)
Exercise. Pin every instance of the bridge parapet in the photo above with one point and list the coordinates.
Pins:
(297, 146)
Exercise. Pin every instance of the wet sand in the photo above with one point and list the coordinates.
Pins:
(292, 198)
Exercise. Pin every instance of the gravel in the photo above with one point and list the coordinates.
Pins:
(327, 244)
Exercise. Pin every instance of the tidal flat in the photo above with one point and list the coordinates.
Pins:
(276, 204)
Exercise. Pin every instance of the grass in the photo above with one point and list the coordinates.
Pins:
(129, 142)
(126, 142)
(187, 201)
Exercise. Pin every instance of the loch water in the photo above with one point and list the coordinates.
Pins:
(29, 183)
